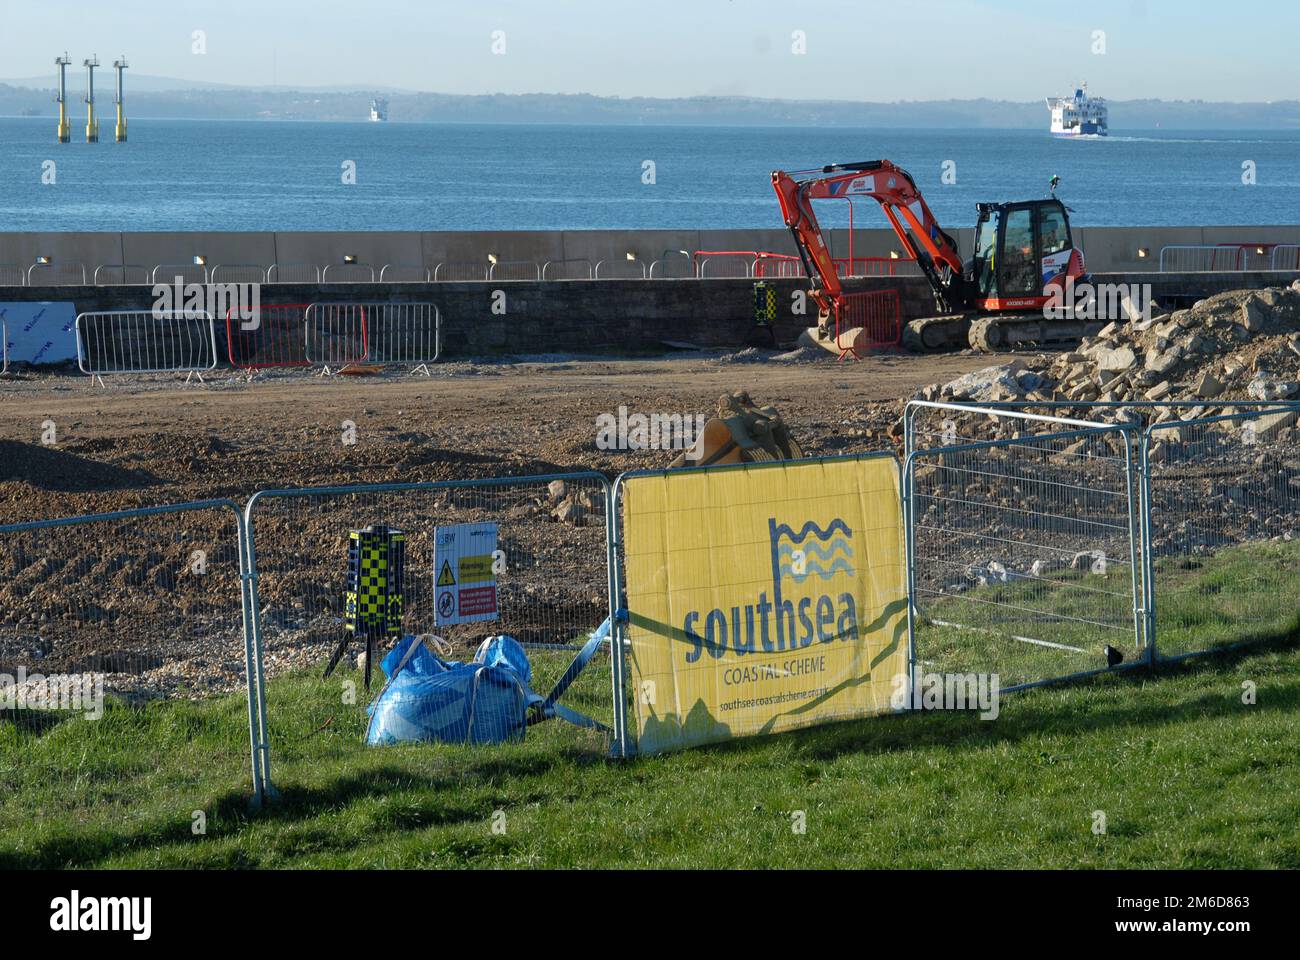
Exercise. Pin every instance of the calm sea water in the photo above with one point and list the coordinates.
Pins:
(268, 175)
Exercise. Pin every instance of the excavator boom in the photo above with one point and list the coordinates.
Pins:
(923, 240)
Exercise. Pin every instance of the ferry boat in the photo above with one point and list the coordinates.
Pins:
(1079, 115)
(378, 110)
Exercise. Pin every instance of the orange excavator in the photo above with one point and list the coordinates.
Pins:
(992, 301)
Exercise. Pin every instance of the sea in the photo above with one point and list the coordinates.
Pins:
(283, 175)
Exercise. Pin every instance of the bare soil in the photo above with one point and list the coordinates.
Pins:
(142, 441)
(123, 599)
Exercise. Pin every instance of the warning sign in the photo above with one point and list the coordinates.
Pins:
(445, 577)
(464, 580)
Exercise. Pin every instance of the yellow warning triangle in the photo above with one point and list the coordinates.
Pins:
(445, 579)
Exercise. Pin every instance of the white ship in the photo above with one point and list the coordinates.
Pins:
(1079, 115)
(378, 110)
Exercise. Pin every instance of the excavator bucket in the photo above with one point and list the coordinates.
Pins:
(740, 433)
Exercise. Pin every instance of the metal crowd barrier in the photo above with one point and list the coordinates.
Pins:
(1285, 256)
(460, 272)
(58, 274)
(184, 273)
(145, 341)
(515, 270)
(348, 273)
(567, 270)
(1201, 258)
(123, 275)
(403, 273)
(628, 269)
(238, 273)
(293, 273)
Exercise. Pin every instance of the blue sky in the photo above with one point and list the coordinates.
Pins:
(866, 50)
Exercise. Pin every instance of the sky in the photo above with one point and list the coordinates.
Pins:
(869, 50)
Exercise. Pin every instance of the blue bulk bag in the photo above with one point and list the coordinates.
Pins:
(485, 701)
(431, 699)
(503, 651)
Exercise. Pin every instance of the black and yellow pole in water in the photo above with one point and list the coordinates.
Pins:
(375, 598)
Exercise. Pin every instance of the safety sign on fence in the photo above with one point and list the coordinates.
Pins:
(465, 573)
(763, 598)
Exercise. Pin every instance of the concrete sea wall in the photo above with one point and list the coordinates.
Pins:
(1108, 249)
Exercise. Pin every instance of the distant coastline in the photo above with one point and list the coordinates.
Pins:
(208, 102)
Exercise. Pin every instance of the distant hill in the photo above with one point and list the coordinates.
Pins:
(140, 82)
(163, 97)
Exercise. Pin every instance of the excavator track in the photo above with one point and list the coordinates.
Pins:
(937, 334)
(1022, 331)
(994, 334)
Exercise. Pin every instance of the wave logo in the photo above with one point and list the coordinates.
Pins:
(800, 560)
(801, 609)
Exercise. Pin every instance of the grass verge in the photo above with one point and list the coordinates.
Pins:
(1187, 774)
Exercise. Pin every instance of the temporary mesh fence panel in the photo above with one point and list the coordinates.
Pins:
(1023, 553)
(336, 333)
(1224, 529)
(269, 336)
(142, 341)
(550, 592)
(403, 333)
(111, 626)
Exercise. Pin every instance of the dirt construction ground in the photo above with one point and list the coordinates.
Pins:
(144, 441)
(118, 599)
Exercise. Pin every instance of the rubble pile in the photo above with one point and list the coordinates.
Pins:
(988, 517)
(1240, 345)
(1235, 346)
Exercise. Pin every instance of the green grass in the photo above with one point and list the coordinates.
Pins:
(1187, 775)
(1246, 593)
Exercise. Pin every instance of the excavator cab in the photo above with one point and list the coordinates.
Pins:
(1022, 249)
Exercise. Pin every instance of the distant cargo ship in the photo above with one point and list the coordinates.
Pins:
(378, 110)
(1079, 115)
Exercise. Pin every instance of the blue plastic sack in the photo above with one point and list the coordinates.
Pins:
(433, 700)
(504, 651)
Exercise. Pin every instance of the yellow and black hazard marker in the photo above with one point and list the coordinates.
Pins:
(764, 315)
(764, 304)
(374, 600)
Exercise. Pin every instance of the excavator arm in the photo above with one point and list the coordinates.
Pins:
(894, 189)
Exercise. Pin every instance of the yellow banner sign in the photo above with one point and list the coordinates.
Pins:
(763, 598)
